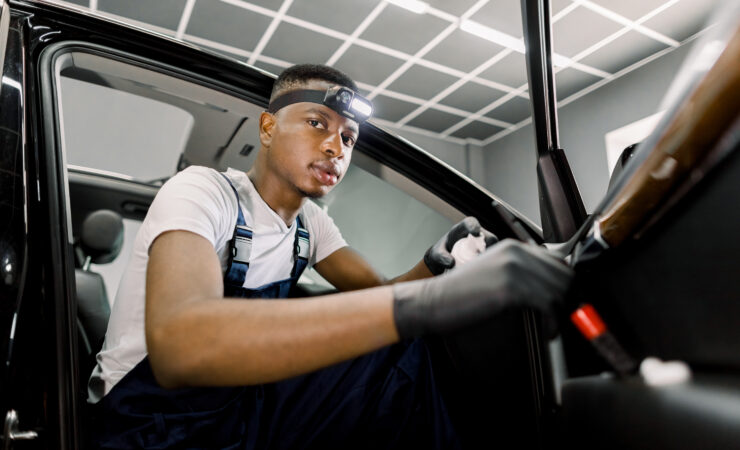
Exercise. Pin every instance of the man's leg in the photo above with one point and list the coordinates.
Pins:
(386, 399)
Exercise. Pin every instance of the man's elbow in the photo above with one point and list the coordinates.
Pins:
(172, 364)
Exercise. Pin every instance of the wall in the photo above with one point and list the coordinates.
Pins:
(510, 162)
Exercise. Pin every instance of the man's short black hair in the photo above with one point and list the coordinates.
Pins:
(296, 76)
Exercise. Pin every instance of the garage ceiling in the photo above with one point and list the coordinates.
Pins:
(432, 72)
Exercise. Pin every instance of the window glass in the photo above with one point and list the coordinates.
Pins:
(115, 131)
(388, 226)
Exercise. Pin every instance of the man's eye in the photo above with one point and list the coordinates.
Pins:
(348, 141)
(315, 123)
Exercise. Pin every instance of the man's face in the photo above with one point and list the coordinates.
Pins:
(310, 145)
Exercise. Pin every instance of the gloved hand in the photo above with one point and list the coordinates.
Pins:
(438, 257)
(508, 275)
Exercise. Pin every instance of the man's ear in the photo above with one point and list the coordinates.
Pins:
(267, 125)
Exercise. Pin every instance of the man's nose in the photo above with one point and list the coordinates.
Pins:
(332, 145)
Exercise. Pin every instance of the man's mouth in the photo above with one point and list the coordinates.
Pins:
(326, 172)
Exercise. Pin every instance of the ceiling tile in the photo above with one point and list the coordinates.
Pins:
(391, 109)
(435, 120)
(501, 15)
(457, 8)
(477, 130)
(472, 97)
(512, 111)
(569, 81)
(558, 5)
(403, 30)
(622, 52)
(162, 13)
(463, 51)
(631, 9)
(367, 66)
(684, 19)
(510, 71)
(579, 30)
(345, 16)
(422, 82)
(268, 4)
(232, 23)
(298, 45)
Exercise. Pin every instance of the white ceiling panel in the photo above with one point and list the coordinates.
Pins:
(623, 51)
(579, 30)
(230, 20)
(513, 111)
(406, 31)
(472, 97)
(345, 16)
(510, 71)
(631, 9)
(367, 66)
(162, 13)
(463, 51)
(391, 109)
(299, 45)
(502, 15)
(432, 119)
(422, 82)
(684, 19)
(477, 130)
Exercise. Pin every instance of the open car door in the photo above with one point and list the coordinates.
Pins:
(13, 241)
(658, 260)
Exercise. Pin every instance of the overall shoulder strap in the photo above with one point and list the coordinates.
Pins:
(300, 249)
(240, 247)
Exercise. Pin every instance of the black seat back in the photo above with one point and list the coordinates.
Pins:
(100, 242)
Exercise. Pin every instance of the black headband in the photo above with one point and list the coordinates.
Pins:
(341, 99)
(303, 95)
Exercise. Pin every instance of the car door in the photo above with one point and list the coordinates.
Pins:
(21, 323)
(658, 261)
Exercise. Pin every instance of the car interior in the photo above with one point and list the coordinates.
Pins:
(220, 132)
(657, 257)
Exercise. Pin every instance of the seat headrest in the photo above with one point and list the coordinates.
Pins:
(102, 236)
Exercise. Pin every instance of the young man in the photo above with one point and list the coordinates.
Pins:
(184, 364)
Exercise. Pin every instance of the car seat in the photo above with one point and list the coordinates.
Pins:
(99, 242)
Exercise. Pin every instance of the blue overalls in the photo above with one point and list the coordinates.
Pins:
(385, 399)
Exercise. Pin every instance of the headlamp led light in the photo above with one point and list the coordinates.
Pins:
(341, 99)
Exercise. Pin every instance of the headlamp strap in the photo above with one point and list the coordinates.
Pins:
(301, 95)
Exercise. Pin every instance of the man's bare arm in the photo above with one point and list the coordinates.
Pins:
(196, 337)
(347, 270)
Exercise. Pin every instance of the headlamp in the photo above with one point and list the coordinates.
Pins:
(341, 99)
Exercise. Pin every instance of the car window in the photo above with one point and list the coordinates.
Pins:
(127, 121)
(114, 131)
(368, 210)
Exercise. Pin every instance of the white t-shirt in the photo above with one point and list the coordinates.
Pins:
(201, 201)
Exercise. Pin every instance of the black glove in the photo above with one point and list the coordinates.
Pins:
(507, 275)
(438, 257)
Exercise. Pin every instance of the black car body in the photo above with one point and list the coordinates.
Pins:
(668, 287)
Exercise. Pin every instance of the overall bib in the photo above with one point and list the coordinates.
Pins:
(385, 399)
